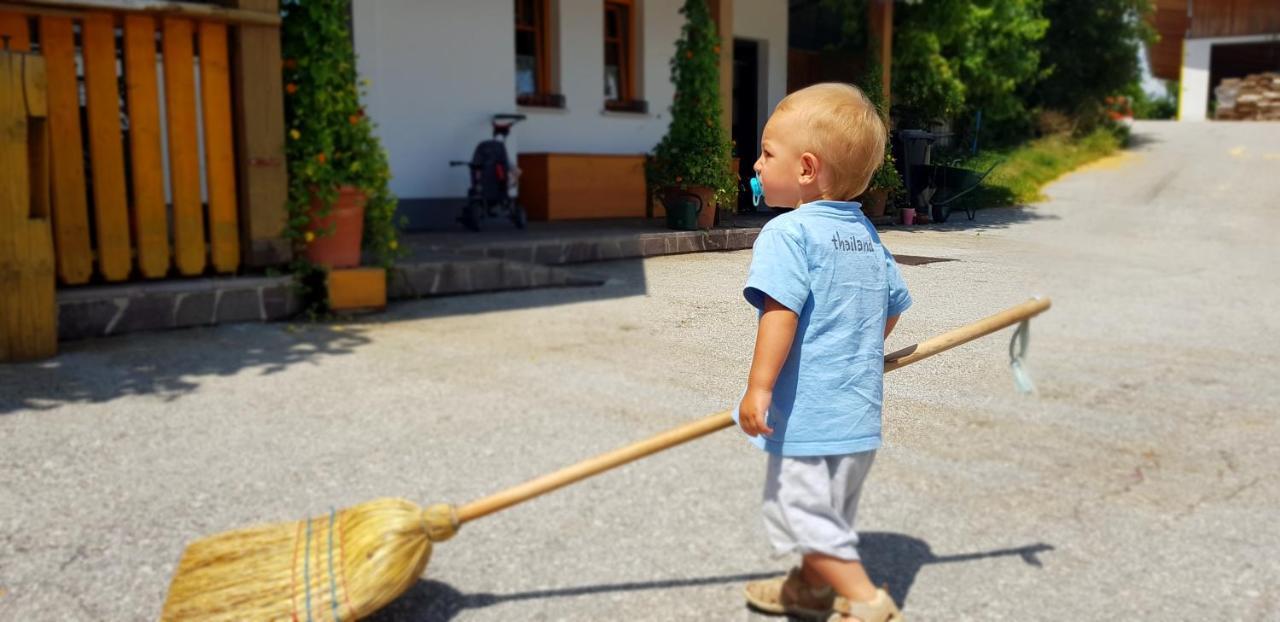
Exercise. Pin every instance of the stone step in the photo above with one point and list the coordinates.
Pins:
(99, 311)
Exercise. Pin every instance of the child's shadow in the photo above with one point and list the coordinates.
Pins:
(891, 558)
(896, 559)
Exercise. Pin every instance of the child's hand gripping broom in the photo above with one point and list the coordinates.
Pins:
(348, 564)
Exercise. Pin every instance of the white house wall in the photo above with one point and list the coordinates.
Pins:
(1193, 102)
(583, 126)
(440, 68)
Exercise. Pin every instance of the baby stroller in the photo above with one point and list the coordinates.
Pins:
(494, 179)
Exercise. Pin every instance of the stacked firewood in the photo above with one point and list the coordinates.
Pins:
(1255, 98)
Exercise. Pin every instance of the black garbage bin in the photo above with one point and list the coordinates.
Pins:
(917, 148)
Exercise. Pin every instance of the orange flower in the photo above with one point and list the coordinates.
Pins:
(717, 49)
(354, 119)
(291, 88)
(688, 54)
(321, 158)
(289, 63)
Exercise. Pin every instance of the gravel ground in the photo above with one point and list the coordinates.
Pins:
(1138, 484)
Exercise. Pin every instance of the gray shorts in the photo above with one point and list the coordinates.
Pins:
(810, 503)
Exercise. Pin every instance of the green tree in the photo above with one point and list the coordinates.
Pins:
(696, 150)
(1090, 52)
(955, 57)
(1146, 106)
(886, 177)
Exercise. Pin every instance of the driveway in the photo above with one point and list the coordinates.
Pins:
(1138, 484)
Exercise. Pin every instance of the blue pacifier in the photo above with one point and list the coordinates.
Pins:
(757, 190)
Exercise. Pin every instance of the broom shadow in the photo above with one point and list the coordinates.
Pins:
(891, 558)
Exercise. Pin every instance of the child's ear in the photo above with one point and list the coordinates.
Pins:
(809, 166)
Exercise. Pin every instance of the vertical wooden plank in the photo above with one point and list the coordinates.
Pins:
(13, 27)
(13, 202)
(150, 218)
(184, 158)
(880, 29)
(259, 118)
(70, 205)
(41, 321)
(28, 325)
(215, 96)
(722, 13)
(106, 161)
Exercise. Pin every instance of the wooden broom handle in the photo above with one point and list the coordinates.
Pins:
(720, 421)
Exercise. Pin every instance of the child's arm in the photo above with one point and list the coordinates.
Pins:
(773, 343)
(889, 324)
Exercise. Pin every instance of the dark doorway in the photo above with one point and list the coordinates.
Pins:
(746, 112)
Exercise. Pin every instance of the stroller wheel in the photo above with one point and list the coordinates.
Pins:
(519, 217)
(472, 214)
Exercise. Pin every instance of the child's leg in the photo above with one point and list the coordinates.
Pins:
(848, 578)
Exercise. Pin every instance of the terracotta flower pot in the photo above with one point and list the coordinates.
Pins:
(340, 247)
(707, 217)
(873, 203)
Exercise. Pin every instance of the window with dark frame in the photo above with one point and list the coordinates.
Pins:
(618, 86)
(533, 60)
(620, 57)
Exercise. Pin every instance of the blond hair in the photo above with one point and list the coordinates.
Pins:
(844, 130)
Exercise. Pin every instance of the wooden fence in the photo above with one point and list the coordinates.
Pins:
(143, 158)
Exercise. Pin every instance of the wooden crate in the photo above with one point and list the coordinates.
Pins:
(569, 186)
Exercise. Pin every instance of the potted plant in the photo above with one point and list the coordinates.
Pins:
(339, 201)
(693, 158)
(885, 183)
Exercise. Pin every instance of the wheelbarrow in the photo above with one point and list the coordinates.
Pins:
(947, 183)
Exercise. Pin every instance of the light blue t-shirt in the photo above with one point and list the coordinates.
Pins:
(825, 262)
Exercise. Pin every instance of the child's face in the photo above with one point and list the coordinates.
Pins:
(789, 174)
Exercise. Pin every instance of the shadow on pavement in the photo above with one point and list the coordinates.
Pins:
(436, 602)
(168, 364)
(1137, 140)
(989, 218)
(896, 559)
(891, 558)
(622, 278)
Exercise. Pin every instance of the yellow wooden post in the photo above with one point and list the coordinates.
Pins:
(150, 216)
(880, 27)
(184, 146)
(28, 310)
(70, 202)
(722, 14)
(106, 150)
(263, 184)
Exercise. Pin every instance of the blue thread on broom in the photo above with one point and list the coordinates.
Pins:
(333, 582)
(306, 569)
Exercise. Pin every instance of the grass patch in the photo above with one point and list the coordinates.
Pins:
(1029, 167)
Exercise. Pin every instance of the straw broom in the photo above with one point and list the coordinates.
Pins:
(352, 562)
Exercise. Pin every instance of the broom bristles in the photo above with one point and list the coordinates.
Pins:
(340, 566)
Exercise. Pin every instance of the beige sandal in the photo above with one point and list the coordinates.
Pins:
(880, 609)
(790, 595)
